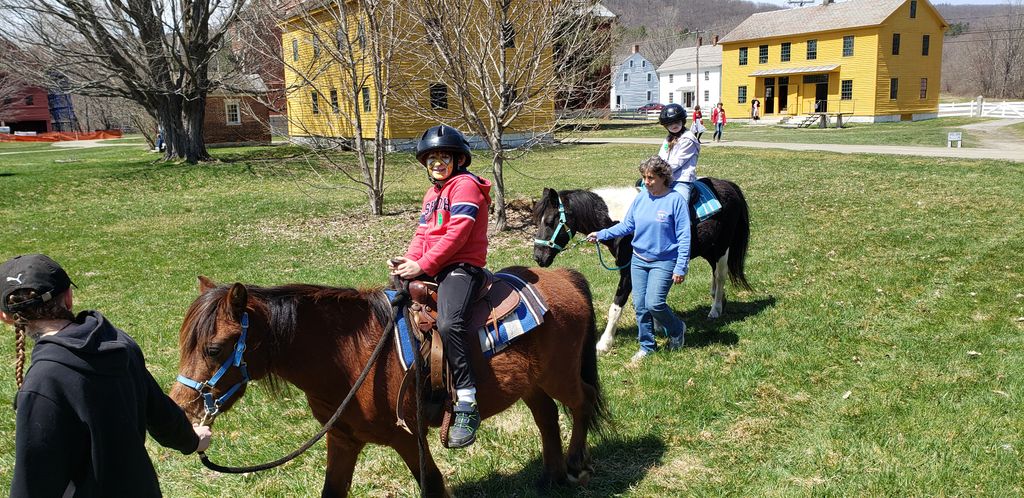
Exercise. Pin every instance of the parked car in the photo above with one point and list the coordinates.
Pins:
(653, 106)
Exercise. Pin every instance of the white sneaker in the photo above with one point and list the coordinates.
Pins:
(638, 357)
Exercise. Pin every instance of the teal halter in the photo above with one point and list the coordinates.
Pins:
(558, 229)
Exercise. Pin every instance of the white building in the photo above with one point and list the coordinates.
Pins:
(692, 76)
(634, 82)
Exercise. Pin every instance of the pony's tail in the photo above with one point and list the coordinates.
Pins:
(738, 247)
(588, 362)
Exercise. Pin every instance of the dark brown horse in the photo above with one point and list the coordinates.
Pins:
(319, 338)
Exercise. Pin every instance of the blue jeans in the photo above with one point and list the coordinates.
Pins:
(651, 283)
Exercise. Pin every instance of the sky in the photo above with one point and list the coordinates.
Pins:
(785, 3)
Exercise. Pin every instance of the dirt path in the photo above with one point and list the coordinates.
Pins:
(995, 135)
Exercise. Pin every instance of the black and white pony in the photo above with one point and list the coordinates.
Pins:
(721, 239)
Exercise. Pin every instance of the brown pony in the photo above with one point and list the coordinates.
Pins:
(319, 339)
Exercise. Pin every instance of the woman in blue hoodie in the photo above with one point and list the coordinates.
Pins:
(85, 406)
(660, 223)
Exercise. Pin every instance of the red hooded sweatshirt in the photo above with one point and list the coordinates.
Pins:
(453, 224)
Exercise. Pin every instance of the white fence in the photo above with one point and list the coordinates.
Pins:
(976, 108)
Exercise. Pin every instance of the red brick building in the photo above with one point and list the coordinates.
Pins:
(235, 116)
(27, 110)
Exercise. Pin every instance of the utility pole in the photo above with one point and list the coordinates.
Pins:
(700, 41)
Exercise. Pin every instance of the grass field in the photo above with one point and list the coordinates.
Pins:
(879, 354)
(929, 132)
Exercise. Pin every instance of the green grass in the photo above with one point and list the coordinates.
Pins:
(930, 132)
(873, 276)
(1018, 129)
(24, 146)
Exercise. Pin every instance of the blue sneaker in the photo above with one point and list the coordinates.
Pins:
(462, 432)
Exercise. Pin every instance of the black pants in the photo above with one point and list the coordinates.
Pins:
(456, 286)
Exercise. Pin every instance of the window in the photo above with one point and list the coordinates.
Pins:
(812, 50)
(630, 63)
(295, 49)
(648, 76)
(316, 47)
(361, 35)
(433, 26)
(707, 96)
(814, 78)
(924, 88)
(925, 42)
(508, 34)
(848, 46)
(30, 100)
(707, 75)
(913, 9)
(366, 99)
(648, 95)
(508, 95)
(741, 94)
(232, 112)
(643, 63)
(339, 39)
(894, 86)
(316, 103)
(438, 96)
(671, 97)
(762, 54)
(688, 77)
(618, 101)
(334, 101)
(895, 44)
(786, 47)
(625, 77)
(743, 56)
(846, 89)
(670, 78)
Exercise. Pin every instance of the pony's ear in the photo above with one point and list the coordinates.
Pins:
(238, 297)
(549, 193)
(205, 284)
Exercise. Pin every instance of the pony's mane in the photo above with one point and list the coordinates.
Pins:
(587, 210)
(280, 305)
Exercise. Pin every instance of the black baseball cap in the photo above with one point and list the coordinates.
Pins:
(31, 271)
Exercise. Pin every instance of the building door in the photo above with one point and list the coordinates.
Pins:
(687, 99)
(769, 95)
(783, 93)
(821, 97)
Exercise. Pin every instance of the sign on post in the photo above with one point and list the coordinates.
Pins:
(954, 136)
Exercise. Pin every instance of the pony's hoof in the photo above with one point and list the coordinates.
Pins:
(604, 346)
(714, 314)
(583, 478)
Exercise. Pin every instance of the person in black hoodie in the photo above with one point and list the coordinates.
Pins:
(85, 404)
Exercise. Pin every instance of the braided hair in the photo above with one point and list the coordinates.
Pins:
(49, 310)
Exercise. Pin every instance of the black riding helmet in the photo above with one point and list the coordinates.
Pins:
(672, 113)
(443, 138)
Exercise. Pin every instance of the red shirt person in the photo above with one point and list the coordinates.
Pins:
(450, 247)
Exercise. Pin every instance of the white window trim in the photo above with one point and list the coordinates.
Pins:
(227, 118)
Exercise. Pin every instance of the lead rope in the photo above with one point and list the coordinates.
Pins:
(397, 303)
(600, 256)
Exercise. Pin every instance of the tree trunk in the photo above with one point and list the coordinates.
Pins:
(193, 114)
(497, 165)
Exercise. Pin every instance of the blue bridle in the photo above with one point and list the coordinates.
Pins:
(212, 405)
(558, 229)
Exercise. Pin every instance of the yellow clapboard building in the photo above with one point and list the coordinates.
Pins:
(868, 60)
(320, 86)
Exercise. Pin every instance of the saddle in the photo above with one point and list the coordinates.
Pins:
(495, 300)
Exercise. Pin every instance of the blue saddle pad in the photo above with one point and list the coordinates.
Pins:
(707, 203)
(526, 317)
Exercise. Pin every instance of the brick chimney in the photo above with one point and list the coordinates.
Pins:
(636, 48)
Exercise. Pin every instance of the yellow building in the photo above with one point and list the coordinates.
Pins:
(320, 85)
(872, 60)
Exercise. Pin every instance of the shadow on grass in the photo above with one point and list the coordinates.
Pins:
(4, 174)
(619, 464)
(702, 331)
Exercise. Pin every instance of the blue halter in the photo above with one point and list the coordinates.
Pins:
(212, 405)
(558, 229)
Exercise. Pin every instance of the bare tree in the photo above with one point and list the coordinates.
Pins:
(503, 62)
(344, 79)
(156, 53)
